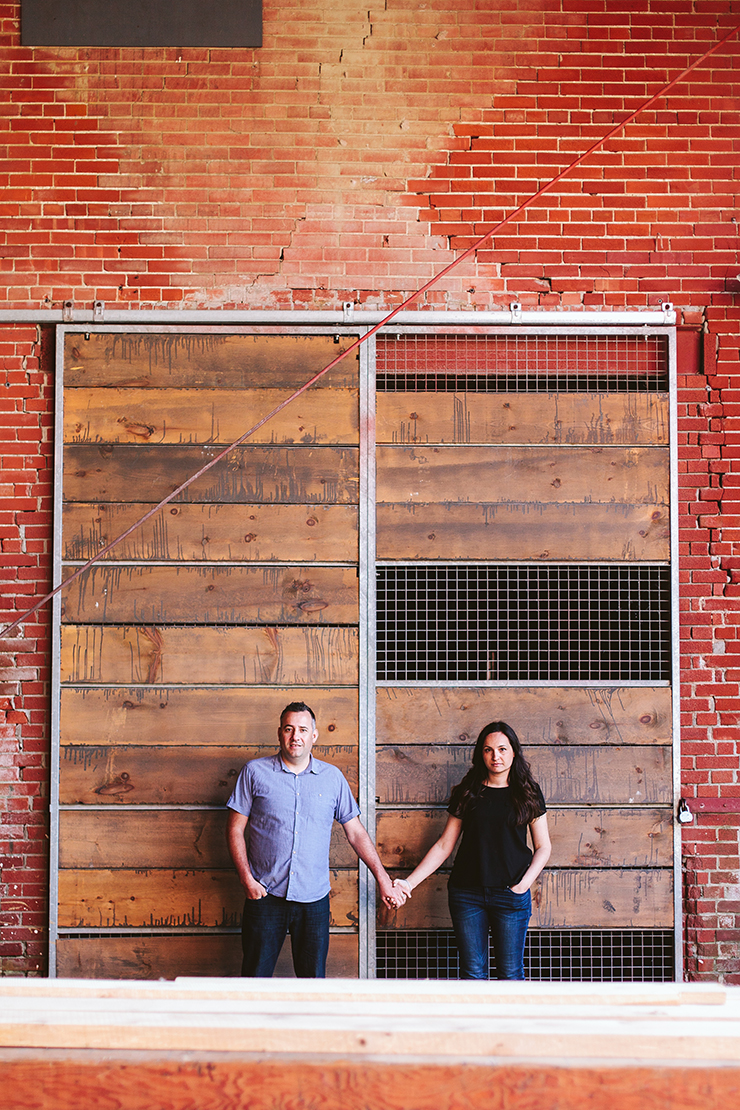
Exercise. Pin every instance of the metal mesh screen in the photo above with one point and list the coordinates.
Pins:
(522, 363)
(560, 955)
(524, 622)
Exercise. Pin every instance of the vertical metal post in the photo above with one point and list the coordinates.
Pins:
(678, 930)
(56, 619)
(367, 648)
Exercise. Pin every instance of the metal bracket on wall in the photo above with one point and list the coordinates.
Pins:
(713, 805)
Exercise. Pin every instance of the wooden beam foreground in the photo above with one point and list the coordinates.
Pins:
(353, 1045)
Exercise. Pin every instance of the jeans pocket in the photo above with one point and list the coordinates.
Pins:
(519, 902)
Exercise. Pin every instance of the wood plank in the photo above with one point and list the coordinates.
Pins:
(583, 532)
(562, 899)
(156, 957)
(552, 418)
(151, 655)
(237, 533)
(540, 715)
(247, 475)
(416, 775)
(139, 898)
(213, 595)
(242, 718)
(168, 838)
(216, 361)
(534, 475)
(170, 775)
(209, 416)
(428, 1070)
(590, 837)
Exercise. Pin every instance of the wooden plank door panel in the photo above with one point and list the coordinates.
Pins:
(528, 475)
(247, 475)
(554, 419)
(206, 360)
(213, 595)
(612, 837)
(528, 531)
(209, 533)
(237, 716)
(109, 898)
(531, 449)
(562, 899)
(198, 629)
(542, 715)
(425, 775)
(171, 775)
(228, 655)
(188, 416)
(168, 957)
(167, 838)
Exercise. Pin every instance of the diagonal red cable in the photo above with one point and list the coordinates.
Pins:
(386, 319)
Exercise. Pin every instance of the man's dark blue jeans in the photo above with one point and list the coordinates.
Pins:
(264, 926)
(507, 915)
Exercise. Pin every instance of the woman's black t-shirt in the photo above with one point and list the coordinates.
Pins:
(494, 851)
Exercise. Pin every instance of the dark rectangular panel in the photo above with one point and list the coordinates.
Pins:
(532, 622)
(559, 955)
(141, 23)
(522, 363)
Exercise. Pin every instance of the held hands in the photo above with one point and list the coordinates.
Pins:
(394, 895)
(400, 892)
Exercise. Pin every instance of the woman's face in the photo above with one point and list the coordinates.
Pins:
(498, 756)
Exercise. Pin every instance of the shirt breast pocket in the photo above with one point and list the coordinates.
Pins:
(321, 808)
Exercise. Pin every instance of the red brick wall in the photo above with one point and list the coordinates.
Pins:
(710, 703)
(346, 160)
(26, 491)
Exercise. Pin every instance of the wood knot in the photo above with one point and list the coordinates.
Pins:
(312, 605)
(118, 785)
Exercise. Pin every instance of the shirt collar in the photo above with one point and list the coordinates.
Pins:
(315, 766)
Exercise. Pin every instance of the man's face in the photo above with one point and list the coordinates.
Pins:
(296, 735)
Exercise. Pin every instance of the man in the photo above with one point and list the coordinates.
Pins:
(290, 801)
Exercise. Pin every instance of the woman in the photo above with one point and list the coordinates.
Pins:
(494, 869)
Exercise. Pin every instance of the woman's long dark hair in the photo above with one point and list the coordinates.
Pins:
(524, 796)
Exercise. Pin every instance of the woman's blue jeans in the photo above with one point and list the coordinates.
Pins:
(506, 914)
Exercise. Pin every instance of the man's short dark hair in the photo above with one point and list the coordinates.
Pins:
(299, 707)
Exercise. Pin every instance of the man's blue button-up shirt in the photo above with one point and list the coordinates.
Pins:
(290, 821)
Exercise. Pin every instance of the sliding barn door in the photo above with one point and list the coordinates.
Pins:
(494, 544)
(180, 648)
(523, 574)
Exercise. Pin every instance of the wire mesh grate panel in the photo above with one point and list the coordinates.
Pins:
(523, 623)
(522, 363)
(557, 955)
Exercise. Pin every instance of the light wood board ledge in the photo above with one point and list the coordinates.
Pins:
(352, 1045)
